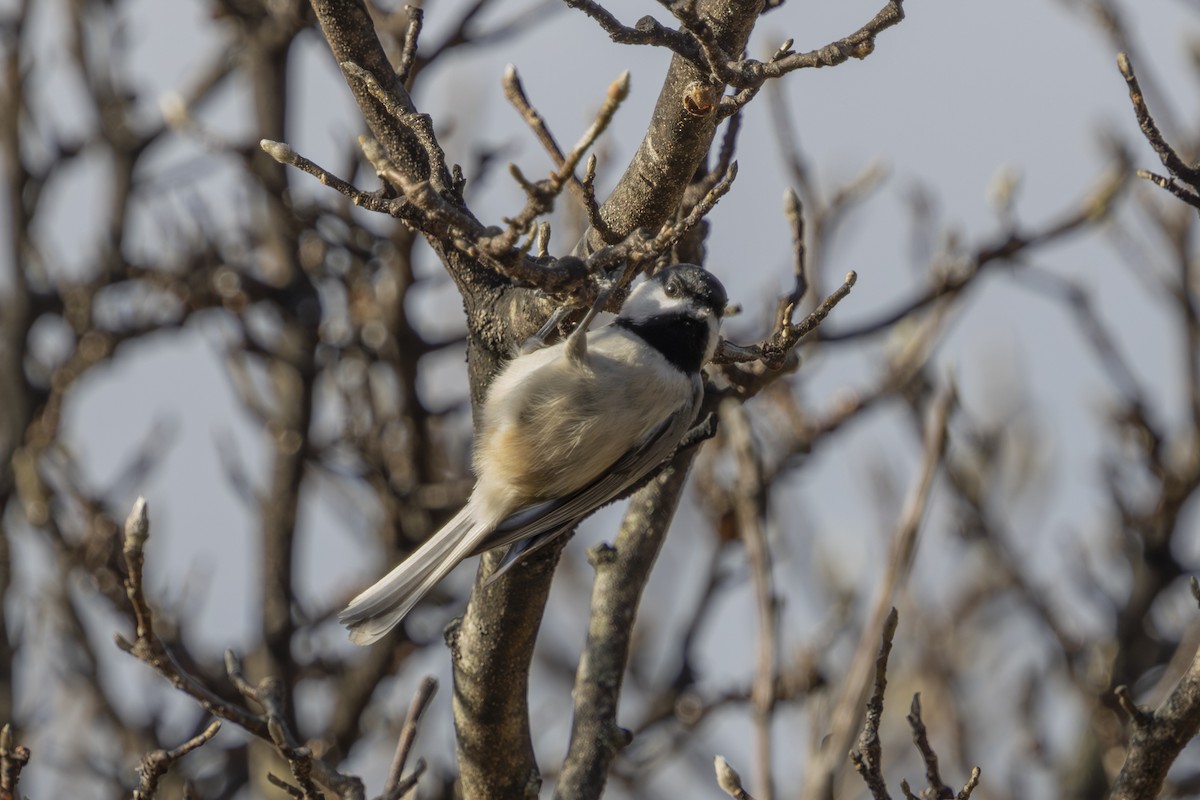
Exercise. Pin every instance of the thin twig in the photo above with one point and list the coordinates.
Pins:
(936, 788)
(794, 210)
(696, 43)
(750, 504)
(408, 782)
(899, 566)
(1094, 208)
(268, 694)
(137, 530)
(1169, 184)
(373, 201)
(540, 196)
(640, 247)
(292, 791)
(408, 735)
(773, 351)
(514, 90)
(592, 206)
(617, 93)
(1170, 159)
(969, 786)
(13, 759)
(416, 20)
(648, 31)
(521, 22)
(749, 75)
(673, 232)
(868, 753)
(431, 213)
(150, 649)
(156, 763)
(729, 142)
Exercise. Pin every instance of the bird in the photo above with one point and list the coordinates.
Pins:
(564, 429)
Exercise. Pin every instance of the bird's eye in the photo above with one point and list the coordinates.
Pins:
(671, 289)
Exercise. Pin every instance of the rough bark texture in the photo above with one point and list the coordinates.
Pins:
(676, 140)
(1158, 738)
(491, 711)
(351, 35)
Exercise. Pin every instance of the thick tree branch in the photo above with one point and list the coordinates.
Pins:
(622, 571)
(348, 29)
(677, 139)
(491, 648)
(493, 645)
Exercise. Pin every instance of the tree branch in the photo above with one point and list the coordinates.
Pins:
(819, 780)
(622, 571)
(1170, 159)
(392, 789)
(1094, 207)
(492, 646)
(749, 75)
(150, 649)
(12, 760)
(1157, 737)
(351, 36)
(676, 140)
(750, 503)
(868, 753)
(156, 763)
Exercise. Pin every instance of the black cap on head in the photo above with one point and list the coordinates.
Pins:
(695, 281)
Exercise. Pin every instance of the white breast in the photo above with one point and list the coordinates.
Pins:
(551, 426)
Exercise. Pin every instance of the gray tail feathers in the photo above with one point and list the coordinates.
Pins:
(381, 607)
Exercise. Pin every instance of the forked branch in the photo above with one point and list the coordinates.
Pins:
(1178, 169)
(150, 649)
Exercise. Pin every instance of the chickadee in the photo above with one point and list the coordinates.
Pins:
(564, 430)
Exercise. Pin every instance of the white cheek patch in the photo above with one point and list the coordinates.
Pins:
(652, 301)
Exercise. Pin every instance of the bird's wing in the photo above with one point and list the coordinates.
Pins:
(534, 526)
